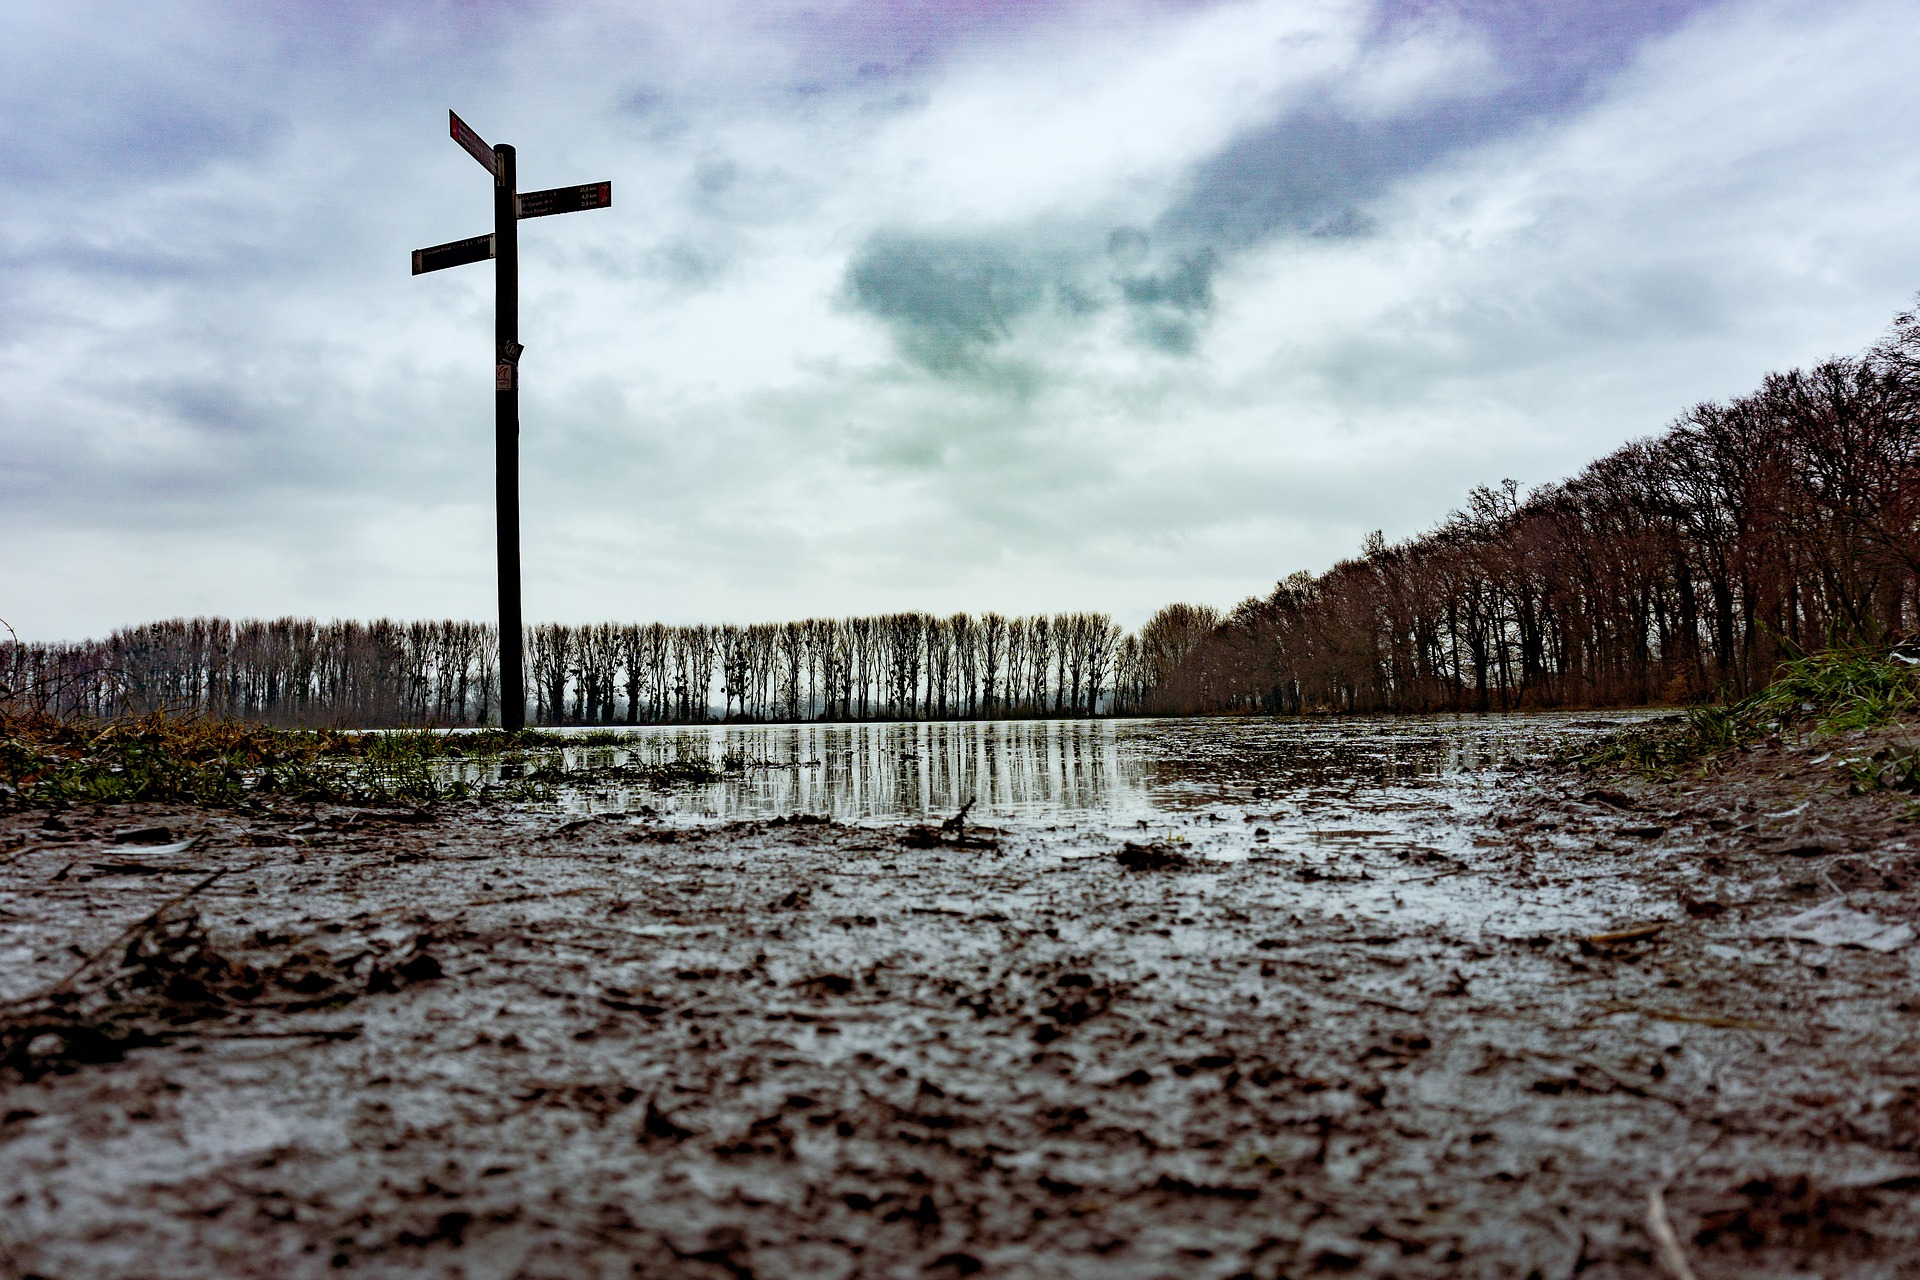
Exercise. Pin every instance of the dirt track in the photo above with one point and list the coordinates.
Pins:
(494, 1044)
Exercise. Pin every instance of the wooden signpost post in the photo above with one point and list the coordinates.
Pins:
(503, 246)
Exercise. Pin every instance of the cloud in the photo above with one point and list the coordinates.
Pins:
(1000, 306)
(955, 306)
(1352, 111)
(947, 301)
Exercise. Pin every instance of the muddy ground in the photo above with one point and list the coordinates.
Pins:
(490, 1042)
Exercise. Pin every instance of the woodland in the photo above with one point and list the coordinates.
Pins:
(1679, 568)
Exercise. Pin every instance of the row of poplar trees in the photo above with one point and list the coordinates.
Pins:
(298, 671)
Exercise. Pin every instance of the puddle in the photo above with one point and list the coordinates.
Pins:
(1375, 817)
(1072, 770)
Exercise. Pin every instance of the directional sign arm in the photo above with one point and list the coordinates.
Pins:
(463, 133)
(541, 204)
(455, 253)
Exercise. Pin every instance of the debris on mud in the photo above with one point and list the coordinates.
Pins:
(168, 975)
(143, 835)
(166, 979)
(1798, 1213)
(1152, 857)
(952, 833)
(1618, 939)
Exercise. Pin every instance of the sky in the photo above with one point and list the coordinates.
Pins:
(989, 304)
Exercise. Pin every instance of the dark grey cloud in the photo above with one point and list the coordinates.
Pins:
(1308, 172)
(952, 304)
(1168, 306)
(947, 301)
(1314, 169)
(644, 101)
(1186, 287)
(1558, 51)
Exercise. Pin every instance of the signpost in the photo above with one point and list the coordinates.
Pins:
(463, 134)
(457, 254)
(503, 246)
(539, 204)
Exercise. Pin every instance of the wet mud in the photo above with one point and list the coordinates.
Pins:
(1364, 1021)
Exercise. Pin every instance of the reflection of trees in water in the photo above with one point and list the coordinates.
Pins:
(913, 768)
(1039, 767)
(921, 768)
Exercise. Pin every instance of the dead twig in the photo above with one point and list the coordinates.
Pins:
(1442, 875)
(1660, 1227)
(18, 854)
(1633, 933)
(127, 935)
(1601, 1069)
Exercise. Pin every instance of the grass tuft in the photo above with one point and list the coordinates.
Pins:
(219, 763)
(681, 771)
(1821, 694)
(222, 763)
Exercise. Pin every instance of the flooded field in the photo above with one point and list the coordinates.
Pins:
(1232, 1000)
(1071, 769)
(1380, 814)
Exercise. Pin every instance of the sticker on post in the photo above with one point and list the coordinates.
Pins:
(503, 377)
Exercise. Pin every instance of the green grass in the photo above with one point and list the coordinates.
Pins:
(1840, 690)
(1818, 695)
(1888, 769)
(683, 771)
(223, 763)
(215, 762)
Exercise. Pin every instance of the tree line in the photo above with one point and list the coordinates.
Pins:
(1673, 569)
(298, 671)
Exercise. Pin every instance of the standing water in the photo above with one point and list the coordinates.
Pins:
(1374, 814)
(1071, 770)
